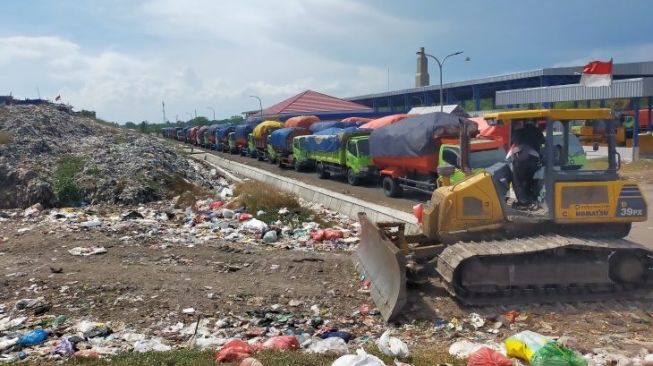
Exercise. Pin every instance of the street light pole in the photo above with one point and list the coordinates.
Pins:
(213, 112)
(260, 104)
(440, 64)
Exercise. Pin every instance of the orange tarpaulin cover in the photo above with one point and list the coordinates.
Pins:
(385, 121)
(301, 121)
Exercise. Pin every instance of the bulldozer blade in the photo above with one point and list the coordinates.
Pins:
(381, 262)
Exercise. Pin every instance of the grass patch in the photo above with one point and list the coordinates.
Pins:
(6, 138)
(188, 192)
(182, 357)
(255, 196)
(65, 186)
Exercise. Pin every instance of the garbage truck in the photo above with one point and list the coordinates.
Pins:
(260, 134)
(240, 138)
(343, 152)
(407, 154)
(280, 145)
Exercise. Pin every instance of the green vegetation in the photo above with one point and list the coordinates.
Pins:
(182, 357)
(147, 127)
(65, 186)
(255, 196)
(5, 138)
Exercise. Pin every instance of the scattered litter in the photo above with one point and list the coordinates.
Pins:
(361, 358)
(86, 251)
(335, 345)
(392, 346)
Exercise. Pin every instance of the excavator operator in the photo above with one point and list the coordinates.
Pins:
(525, 159)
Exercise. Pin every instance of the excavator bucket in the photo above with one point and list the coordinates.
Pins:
(381, 262)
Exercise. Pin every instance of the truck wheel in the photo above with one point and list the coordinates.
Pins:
(352, 178)
(391, 187)
(260, 157)
(272, 161)
(296, 166)
(321, 171)
(280, 163)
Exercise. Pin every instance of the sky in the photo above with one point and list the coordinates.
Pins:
(122, 58)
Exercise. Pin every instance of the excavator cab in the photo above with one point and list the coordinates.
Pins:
(487, 251)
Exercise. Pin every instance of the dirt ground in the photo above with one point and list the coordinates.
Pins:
(146, 283)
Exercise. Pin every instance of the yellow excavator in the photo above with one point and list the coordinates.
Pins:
(485, 251)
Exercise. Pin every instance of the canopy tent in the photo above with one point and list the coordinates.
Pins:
(454, 109)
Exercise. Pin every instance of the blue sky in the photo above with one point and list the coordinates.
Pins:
(122, 57)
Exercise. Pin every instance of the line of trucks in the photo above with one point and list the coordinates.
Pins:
(401, 151)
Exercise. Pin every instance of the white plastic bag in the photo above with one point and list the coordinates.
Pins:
(361, 358)
(153, 344)
(335, 345)
(255, 225)
(392, 346)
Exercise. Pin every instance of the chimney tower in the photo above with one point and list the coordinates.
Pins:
(422, 76)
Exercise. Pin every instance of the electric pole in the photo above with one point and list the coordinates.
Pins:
(163, 106)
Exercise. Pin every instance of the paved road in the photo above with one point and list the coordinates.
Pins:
(370, 191)
(641, 232)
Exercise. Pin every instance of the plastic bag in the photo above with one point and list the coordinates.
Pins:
(361, 358)
(392, 346)
(554, 354)
(255, 225)
(233, 350)
(250, 361)
(216, 205)
(326, 234)
(149, 345)
(346, 336)
(244, 217)
(33, 338)
(488, 357)
(334, 345)
(524, 344)
(281, 343)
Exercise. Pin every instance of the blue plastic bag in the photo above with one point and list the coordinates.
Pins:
(33, 338)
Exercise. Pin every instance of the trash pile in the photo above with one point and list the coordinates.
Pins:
(525, 347)
(54, 156)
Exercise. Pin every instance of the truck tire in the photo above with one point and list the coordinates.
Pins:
(296, 166)
(352, 178)
(260, 156)
(280, 164)
(321, 171)
(391, 187)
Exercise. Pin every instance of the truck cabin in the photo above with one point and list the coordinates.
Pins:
(359, 146)
(484, 152)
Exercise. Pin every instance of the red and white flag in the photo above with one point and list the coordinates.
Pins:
(597, 73)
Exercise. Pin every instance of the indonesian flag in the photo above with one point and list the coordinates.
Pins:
(597, 73)
(58, 98)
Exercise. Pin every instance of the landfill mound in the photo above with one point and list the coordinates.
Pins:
(54, 156)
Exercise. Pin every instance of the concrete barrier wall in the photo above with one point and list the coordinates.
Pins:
(339, 202)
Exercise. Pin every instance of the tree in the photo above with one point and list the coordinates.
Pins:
(143, 126)
(236, 119)
(131, 125)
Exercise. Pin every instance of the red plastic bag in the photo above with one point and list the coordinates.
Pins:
(281, 343)
(216, 205)
(317, 235)
(244, 217)
(327, 234)
(488, 357)
(330, 234)
(233, 350)
(418, 212)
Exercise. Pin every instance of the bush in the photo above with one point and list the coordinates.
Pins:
(5, 138)
(65, 186)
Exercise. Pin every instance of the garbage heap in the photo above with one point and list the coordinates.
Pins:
(53, 156)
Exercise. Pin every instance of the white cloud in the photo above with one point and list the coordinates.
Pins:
(633, 53)
(206, 53)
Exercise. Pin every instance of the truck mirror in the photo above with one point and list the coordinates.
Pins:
(446, 170)
(595, 146)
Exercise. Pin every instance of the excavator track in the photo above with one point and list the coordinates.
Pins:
(546, 268)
